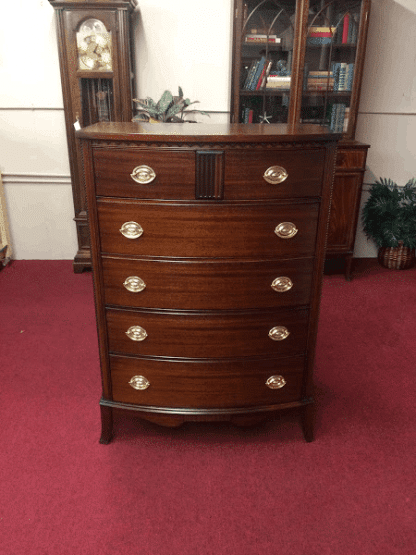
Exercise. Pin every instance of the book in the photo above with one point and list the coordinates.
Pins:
(250, 74)
(320, 32)
(342, 83)
(277, 82)
(323, 73)
(336, 66)
(346, 120)
(259, 68)
(265, 71)
(345, 28)
(350, 77)
(263, 38)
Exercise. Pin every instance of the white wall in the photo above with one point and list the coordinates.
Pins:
(33, 147)
(387, 119)
(186, 43)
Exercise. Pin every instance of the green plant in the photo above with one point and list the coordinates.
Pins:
(389, 215)
(171, 109)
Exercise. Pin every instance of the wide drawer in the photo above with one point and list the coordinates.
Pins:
(204, 335)
(206, 384)
(207, 284)
(224, 230)
(174, 174)
(244, 174)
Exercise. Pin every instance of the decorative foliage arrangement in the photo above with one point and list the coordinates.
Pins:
(389, 215)
(171, 109)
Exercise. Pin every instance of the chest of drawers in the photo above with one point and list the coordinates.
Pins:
(208, 245)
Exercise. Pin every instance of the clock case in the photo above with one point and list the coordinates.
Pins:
(101, 92)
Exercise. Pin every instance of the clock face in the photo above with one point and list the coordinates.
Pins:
(94, 46)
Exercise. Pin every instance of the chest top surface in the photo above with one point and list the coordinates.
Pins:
(212, 133)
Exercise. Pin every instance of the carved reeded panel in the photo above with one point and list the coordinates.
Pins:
(209, 175)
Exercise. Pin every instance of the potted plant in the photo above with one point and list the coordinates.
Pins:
(171, 109)
(389, 218)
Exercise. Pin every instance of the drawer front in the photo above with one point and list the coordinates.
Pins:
(174, 174)
(204, 335)
(206, 384)
(351, 158)
(207, 285)
(225, 230)
(244, 174)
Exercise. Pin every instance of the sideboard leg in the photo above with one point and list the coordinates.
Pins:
(348, 267)
(307, 422)
(106, 424)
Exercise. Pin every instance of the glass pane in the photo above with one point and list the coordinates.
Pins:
(266, 60)
(329, 62)
(94, 46)
(97, 100)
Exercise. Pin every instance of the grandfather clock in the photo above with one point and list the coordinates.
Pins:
(96, 61)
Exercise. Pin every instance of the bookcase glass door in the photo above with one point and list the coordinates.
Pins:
(330, 62)
(265, 40)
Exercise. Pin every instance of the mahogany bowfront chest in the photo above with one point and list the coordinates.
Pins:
(208, 246)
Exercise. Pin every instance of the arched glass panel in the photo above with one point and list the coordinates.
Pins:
(266, 60)
(330, 58)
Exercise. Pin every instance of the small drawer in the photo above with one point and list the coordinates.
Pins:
(246, 174)
(225, 230)
(351, 158)
(208, 284)
(199, 385)
(203, 335)
(171, 174)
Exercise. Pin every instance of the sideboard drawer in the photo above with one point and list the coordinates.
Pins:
(351, 159)
(244, 174)
(203, 335)
(207, 284)
(224, 230)
(174, 174)
(206, 384)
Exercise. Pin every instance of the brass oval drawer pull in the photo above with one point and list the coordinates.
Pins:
(278, 333)
(143, 175)
(276, 382)
(134, 284)
(286, 230)
(136, 333)
(282, 284)
(139, 382)
(131, 230)
(275, 175)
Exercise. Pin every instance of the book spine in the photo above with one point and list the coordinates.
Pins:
(342, 77)
(346, 120)
(249, 75)
(252, 74)
(345, 28)
(350, 77)
(333, 116)
(339, 123)
(335, 70)
(256, 77)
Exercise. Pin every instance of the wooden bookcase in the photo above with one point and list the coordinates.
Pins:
(301, 61)
(96, 62)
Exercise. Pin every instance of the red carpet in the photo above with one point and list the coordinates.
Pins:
(206, 489)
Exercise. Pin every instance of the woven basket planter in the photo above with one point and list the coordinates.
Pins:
(396, 258)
